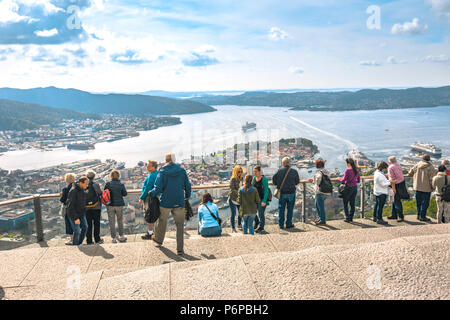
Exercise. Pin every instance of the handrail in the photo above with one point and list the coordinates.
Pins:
(38, 209)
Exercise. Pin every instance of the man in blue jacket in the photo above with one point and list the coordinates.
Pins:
(174, 186)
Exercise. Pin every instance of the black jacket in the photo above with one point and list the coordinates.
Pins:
(118, 191)
(291, 180)
(65, 193)
(76, 202)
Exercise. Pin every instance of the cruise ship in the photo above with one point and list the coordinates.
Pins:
(429, 148)
(80, 146)
(248, 126)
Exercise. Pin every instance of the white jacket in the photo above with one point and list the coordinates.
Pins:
(381, 184)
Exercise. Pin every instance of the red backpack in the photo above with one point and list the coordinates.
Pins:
(106, 197)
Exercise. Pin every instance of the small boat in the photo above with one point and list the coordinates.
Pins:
(248, 126)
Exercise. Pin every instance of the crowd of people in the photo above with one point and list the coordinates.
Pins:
(167, 190)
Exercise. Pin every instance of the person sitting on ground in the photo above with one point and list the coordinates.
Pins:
(144, 199)
(76, 210)
(443, 207)
(208, 218)
(248, 200)
(381, 191)
(70, 180)
(115, 208)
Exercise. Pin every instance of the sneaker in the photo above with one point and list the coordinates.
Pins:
(400, 220)
(259, 230)
(381, 221)
(347, 220)
(100, 242)
(180, 253)
(425, 219)
(147, 236)
(374, 219)
(290, 227)
(123, 239)
(320, 223)
(69, 243)
(392, 218)
(233, 230)
(114, 240)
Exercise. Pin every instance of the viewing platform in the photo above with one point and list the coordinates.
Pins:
(362, 260)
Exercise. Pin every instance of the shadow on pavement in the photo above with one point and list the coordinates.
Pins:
(363, 225)
(95, 251)
(2, 293)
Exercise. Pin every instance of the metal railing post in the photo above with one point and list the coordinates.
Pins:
(304, 201)
(363, 197)
(38, 218)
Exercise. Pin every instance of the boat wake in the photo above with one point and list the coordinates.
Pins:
(348, 142)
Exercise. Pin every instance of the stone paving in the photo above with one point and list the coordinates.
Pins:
(409, 260)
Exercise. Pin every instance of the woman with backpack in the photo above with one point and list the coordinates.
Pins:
(115, 208)
(323, 189)
(248, 200)
(441, 186)
(261, 183)
(208, 218)
(235, 184)
(70, 180)
(350, 180)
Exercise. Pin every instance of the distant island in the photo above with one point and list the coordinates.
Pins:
(17, 116)
(124, 104)
(366, 99)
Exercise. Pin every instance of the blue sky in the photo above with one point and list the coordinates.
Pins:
(135, 46)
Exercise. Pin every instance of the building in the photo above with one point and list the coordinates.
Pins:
(10, 220)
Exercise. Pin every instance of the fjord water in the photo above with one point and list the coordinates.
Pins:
(377, 133)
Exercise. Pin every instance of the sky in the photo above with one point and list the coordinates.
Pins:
(211, 45)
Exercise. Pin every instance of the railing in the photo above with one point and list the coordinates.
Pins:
(303, 190)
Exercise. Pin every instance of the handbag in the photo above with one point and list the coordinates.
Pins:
(343, 190)
(277, 193)
(215, 218)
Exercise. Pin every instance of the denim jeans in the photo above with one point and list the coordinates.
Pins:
(397, 207)
(289, 201)
(350, 199)
(249, 219)
(261, 216)
(234, 209)
(210, 232)
(79, 231)
(320, 206)
(379, 205)
(68, 223)
(422, 203)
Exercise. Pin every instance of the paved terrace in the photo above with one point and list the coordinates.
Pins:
(338, 261)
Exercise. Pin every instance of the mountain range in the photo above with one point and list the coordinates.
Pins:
(366, 99)
(82, 101)
(16, 115)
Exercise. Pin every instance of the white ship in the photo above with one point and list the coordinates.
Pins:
(248, 126)
(429, 148)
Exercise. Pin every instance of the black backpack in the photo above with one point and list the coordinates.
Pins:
(92, 196)
(446, 191)
(325, 185)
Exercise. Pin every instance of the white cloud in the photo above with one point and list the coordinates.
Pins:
(441, 7)
(8, 12)
(393, 60)
(296, 70)
(277, 34)
(46, 33)
(370, 63)
(413, 27)
(47, 6)
(436, 58)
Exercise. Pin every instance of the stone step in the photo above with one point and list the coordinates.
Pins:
(25, 267)
(408, 265)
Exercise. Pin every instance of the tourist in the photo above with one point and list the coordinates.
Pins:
(235, 184)
(70, 180)
(248, 200)
(321, 196)
(261, 183)
(144, 199)
(115, 208)
(446, 163)
(174, 186)
(351, 179)
(286, 179)
(443, 207)
(208, 218)
(423, 174)
(398, 186)
(381, 191)
(93, 209)
(76, 210)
